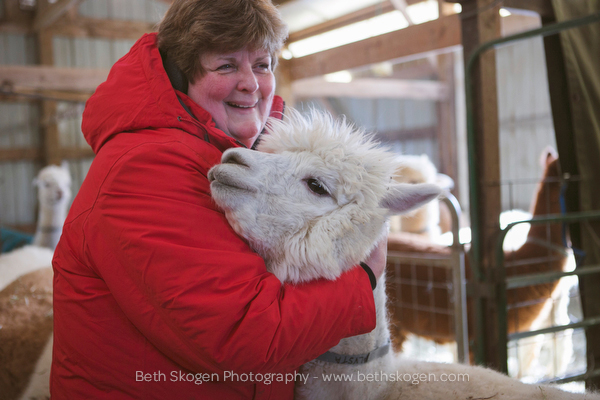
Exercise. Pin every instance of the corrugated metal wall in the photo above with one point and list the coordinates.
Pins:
(81, 53)
(19, 127)
(524, 110)
(389, 115)
(525, 119)
(19, 121)
(95, 53)
(137, 10)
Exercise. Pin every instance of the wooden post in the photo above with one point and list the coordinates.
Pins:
(481, 23)
(284, 83)
(49, 128)
(446, 124)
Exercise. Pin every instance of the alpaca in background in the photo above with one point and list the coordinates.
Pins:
(411, 288)
(425, 220)
(54, 196)
(26, 294)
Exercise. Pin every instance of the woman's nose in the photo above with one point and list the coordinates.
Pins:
(248, 81)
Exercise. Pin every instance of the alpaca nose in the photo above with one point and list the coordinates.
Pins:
(236, 156)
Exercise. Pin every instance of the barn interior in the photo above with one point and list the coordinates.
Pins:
(487, 90)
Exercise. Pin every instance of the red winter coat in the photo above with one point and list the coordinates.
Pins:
(151, 284)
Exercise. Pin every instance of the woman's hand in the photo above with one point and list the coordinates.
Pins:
(377, 259)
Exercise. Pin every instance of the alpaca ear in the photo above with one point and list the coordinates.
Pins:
(404, 197)
(65, 165)
(548, 155)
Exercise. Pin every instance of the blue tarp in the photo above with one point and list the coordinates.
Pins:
(11, 240)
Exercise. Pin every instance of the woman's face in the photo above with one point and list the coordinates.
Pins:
(237, 90)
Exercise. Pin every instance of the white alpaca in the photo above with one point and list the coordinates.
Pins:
(54, 194)
(425, 220)
(312, 204)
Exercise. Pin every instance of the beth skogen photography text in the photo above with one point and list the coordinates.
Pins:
(268, 378)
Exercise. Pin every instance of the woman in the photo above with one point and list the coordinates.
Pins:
(155, 296)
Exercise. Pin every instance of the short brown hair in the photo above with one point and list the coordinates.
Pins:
(191, 28)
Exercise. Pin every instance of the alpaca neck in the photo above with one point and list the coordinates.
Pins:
(547, 202)
(49, 226)
(378, 337)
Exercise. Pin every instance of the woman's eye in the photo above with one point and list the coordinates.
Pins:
(316, 186)
(225, 67)
(264, 67)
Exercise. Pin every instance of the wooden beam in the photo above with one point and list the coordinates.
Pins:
(28, 94)
(480, 24)
(101, 28)
(416, 40)
(371, 88)
(45, 77)
(75, 153)
(35, 154)
(48, 13)
(383, 7)
(446, 122)
(49, 131)
(12, 155)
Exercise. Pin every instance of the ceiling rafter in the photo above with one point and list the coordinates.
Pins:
(371, 88)
(430, 37)
(347, 19)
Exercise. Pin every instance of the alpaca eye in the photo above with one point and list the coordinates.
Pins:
(316, 186)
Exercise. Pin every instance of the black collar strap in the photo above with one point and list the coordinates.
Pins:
(355, 359)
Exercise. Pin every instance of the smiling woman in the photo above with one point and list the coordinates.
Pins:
(237, 90)
(149, 277)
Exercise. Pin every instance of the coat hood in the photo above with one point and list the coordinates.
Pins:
(138, 95)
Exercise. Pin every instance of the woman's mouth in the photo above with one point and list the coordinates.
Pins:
(236, 105)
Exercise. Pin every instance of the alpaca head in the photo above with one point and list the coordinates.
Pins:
(547, 198)
(314, 199)
(419, 169)
(415, 169)
(54, 186)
